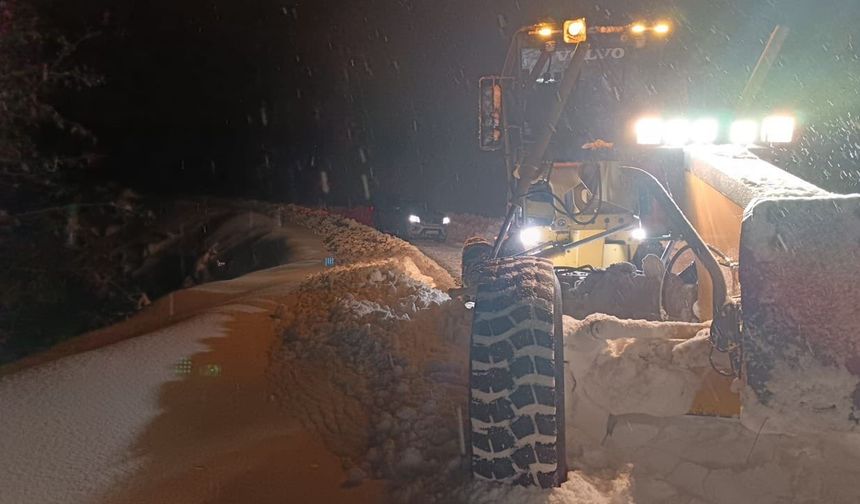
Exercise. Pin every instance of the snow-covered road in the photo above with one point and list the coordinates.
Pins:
(69, 428)
(448, 255)
(179, 414)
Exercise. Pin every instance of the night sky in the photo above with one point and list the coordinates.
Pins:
(255, 98)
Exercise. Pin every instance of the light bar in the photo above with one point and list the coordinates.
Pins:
(743, 132)
(777, 129)
(659, 28)
(649, 131)
(705, 131)
(676, 132)
(680, 131)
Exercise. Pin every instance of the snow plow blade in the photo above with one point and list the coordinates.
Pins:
(800, 284)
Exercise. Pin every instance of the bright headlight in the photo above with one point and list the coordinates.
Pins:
(446, 220)
(530, 237)
(649, 131)
(777, 129)
(414, 219)
(743, 132)
(639, 234)
(705, 131)
(676, 132)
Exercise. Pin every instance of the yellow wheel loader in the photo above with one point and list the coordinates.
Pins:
(671, 219)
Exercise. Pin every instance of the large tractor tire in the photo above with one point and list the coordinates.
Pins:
(516, 376)
(476, 252)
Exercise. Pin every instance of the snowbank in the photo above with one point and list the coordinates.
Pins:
(626, 418)
(351, 242)
(465, 226)
(375, 360)
(370, 340)
(633, 366)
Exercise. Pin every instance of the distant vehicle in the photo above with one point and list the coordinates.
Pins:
(410, 220)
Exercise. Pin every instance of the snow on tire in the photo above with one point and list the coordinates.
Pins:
(476, 252)
(516, 375)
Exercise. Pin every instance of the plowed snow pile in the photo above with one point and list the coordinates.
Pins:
(351, 242)
(371, 357)
(465, 226)
(376, 359)
(635, 381)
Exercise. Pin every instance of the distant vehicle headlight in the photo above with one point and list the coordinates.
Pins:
(446, 220)
(777, 129)
(414, 219)
(743, 132)
(530, 237)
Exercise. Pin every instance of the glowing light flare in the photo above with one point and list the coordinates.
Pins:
(743, 132)
(662, 28)
(414, 219)
(778, 129)
(705, 131)
(576, 27)
(446, 220)
(649, 131)
(638, 28)
(676, 132)
(575, 31)
(639, 234)
(530, 237)
(544, 31)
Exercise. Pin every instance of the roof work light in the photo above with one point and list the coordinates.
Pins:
(676, 132)
(543, 30)
(649, 131)
(743, 132)
(575, 31)
(681, 131)
(659, 28)
(662, 28)
(705, 131)
(777, 129)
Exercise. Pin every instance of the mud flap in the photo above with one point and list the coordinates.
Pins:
(800, 284)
